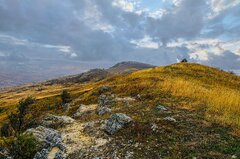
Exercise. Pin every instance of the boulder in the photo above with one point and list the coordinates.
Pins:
(116, 122)
(50, 141)
(85, 109)
(53, 121)
(106, 100)
(46, 136)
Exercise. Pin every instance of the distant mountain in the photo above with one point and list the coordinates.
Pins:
(128, 67)
(99, 74)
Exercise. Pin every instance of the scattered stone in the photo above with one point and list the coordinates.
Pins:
(234, 156)
(106, 100)
(53, 121)
(4, 153)
(154, 127)
(171, 119)
(66, 107)
(125, 99)
(161, 108)
(79, 111)
(138, 97)
(104, 89)
(103, 110)
(116, 122)
(85, 109)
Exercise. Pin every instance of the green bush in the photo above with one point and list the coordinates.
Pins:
(24, 146)
(65, 96)
(18, 121)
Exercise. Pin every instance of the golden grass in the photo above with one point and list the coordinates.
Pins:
(217, 90)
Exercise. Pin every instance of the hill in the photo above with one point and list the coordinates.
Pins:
(100, 74)
(128, 67)
(182, 110)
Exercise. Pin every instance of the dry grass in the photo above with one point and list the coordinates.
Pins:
(217, 90)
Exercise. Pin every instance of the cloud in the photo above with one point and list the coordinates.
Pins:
(115, 30)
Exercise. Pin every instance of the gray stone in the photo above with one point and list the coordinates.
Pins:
(104, 89)
(60, 155)
(106, 100)
(43, 154)
(171, 119)
(49, 139)
(53, 121)
(4, 153)
(161, 108)
(103, 110)
(154, 127)
(79, 112)
(116, 122)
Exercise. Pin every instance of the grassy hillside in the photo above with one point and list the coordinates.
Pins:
(185, 85)
(204, 101)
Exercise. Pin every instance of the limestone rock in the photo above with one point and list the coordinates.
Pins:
(53, 121)
(161, 108)
(116, 122)
(171, 119)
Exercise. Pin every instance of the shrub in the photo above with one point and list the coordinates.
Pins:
(65, 96)
(23, 146)
(184, 60)
(17, 121)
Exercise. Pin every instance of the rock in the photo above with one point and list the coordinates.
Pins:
(66, 107)
(154, 127)
(103, 110)
(79, 111)
(53, 121)
(104, 89)
(47, 137)
(161, 108)
(4, 153)
(124, 99)
(50, 140)
(116, 122)
(106, 100)
(60, 155)
(85, 109)
(43, 154)
(171, 119)
(234, 156)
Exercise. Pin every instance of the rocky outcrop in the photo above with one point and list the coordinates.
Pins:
(51, 142)
(116, 122)
(84, 110)
(103, 110)
(105, 102)
(53, 121)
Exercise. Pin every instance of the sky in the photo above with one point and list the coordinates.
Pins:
(103, 32)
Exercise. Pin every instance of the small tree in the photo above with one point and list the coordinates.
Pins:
(23, 146)
(65, 96)
(17, 120)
